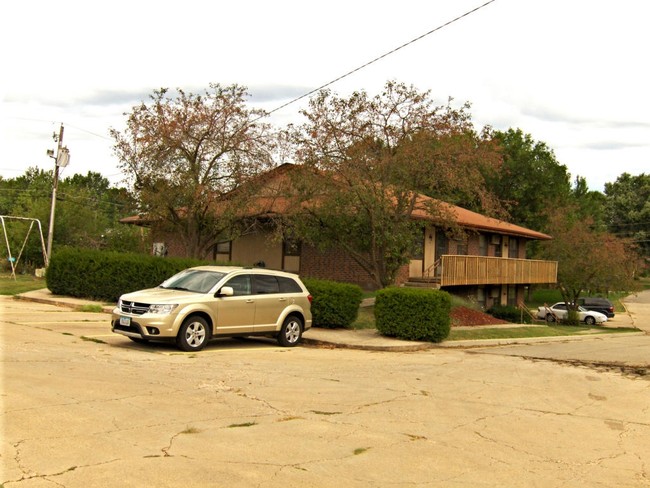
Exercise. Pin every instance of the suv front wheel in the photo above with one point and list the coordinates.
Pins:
(193, 334)
(290, 332)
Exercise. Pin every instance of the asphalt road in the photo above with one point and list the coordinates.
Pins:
(83, 408)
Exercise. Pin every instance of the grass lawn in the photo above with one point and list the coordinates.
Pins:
(366, 320)
(22, 283)
(532, 331)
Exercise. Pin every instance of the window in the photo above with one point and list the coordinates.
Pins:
(287, 285)
(480, 296)
(482, 245)
(513, 252)
(417, 251)
(496, 242)
(241, 285)
(265, 284)
(223, 247)
(291, 247)
(195, 280)
(461, 248)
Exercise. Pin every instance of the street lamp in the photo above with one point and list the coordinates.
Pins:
(61, 161)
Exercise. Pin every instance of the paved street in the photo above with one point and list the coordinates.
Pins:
(84, 408)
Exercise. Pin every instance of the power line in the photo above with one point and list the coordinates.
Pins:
(378, 58)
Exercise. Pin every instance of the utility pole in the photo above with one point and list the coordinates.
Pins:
(61, 160)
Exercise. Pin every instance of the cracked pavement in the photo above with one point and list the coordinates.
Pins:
(83, 407)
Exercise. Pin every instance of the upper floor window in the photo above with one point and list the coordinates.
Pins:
(495, 240)
(513, 250)
(461, 248)
(482, 245)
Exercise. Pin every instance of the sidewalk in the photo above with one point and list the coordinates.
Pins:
(370, 339)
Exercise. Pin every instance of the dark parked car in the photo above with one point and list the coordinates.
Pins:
(597, 304)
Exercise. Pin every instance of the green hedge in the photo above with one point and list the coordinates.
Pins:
(334, 304)
(102, 275)
(413, 314)
(510, 313)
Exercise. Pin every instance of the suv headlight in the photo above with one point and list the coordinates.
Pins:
(162, 308)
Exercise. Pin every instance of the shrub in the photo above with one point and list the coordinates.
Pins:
(334, 304)
(510, 313)
(102, 275)
(413, 314)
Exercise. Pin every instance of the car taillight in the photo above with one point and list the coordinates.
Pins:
(310, 298)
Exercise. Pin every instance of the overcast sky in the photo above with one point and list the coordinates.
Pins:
(572, 73)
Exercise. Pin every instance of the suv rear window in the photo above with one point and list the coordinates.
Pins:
(265, 284)
(288, 285)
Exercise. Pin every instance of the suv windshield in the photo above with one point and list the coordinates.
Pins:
(195, 280)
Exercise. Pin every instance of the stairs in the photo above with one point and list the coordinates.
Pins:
(423, 283)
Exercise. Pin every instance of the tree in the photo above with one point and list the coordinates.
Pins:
(588, 259)
(627, 209)
(184, 154)
(88, 210)
(530, 179)
(590, 204)
(364, 161)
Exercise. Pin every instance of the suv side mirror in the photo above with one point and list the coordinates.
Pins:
(226, 291)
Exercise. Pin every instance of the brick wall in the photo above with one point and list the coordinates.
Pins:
(334, 264)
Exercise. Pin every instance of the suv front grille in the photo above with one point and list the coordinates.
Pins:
(134, 308)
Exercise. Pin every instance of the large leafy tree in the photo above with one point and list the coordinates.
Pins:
(590, 204)
(530, 179)
(364, 160)
(628, 209)
(589, 260)
(185, 153)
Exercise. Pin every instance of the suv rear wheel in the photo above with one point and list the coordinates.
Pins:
(290, 332)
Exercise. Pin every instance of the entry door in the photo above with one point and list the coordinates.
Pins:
(442, 247)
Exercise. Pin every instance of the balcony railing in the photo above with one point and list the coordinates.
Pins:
(483, 270)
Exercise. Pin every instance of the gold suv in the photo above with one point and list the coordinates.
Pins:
(205, 302)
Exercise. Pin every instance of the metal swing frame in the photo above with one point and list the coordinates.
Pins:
(14, 261)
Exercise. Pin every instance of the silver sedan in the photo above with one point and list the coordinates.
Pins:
(559, 311)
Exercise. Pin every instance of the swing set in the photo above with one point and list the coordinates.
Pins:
(12, 260)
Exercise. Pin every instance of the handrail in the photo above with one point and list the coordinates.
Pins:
(458, 270)
(427, 272)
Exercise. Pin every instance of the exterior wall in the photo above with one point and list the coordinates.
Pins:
(254, 248)
(489, 295)
(172, 245)
(334, 264)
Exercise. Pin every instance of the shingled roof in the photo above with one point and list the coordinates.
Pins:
(282, 203)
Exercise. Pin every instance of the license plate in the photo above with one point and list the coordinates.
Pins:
(125, 321)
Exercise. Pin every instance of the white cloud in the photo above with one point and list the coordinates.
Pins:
(572, 74)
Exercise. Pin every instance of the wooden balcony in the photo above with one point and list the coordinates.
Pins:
(483, 270)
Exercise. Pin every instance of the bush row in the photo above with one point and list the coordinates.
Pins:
(406, 313)
(413, 314)
(103, 275)
(334, 304)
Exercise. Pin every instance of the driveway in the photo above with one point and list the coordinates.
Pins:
(628, 354)
(83, 408)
